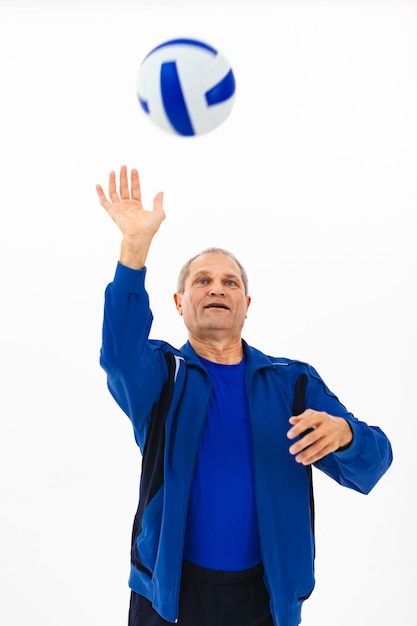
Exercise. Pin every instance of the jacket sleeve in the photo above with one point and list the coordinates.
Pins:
(135, 366)
(366, 459)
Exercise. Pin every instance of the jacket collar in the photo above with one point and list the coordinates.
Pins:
(255, 358)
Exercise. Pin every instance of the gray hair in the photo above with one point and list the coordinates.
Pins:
(183, 275)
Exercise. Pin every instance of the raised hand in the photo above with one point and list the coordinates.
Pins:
(137, 225)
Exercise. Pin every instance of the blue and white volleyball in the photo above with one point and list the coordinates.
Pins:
(186, 87)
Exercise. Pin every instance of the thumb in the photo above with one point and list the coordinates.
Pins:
(158, 200)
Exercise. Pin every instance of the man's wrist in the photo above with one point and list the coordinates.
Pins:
(348, 436)
(133, 254)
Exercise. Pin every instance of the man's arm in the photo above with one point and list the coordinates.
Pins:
(136, 368)
(350, 451)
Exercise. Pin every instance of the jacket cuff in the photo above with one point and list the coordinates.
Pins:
(130, 280)
(355, 447)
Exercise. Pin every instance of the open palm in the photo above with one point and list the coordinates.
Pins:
(125, 206)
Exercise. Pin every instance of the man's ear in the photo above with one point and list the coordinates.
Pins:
(248, 301)
(178, 301)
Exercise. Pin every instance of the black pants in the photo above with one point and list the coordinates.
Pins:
(212, 598)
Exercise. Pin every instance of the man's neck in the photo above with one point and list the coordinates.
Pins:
(227, 353)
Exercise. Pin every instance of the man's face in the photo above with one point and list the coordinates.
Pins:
(214, 303)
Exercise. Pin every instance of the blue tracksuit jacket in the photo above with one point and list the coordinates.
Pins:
(166, 393)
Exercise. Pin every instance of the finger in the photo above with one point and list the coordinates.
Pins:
(295, 419)
(124, 185)
(112, 187)
(102, 197)
(314, 454)
(304, 421)
(293, 432)
(301, 424)
(308, 440)
(135, 185)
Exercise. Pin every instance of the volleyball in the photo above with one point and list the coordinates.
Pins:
(186, 87)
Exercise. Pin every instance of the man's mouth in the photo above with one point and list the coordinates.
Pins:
(217, 305)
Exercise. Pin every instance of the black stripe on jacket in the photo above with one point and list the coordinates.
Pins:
(152, 476)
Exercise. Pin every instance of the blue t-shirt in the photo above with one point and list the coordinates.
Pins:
(222, 530)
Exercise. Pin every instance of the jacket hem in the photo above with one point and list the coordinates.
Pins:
(141, 583)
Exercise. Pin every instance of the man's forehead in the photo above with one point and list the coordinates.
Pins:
(214, 261)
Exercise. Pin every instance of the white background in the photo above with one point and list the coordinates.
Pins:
(311, 182)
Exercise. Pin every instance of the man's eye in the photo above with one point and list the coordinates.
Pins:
(230, 283)
(202, 281)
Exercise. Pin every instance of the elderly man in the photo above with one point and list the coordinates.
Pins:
(224, 531)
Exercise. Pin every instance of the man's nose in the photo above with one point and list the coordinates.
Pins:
(217, 289)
